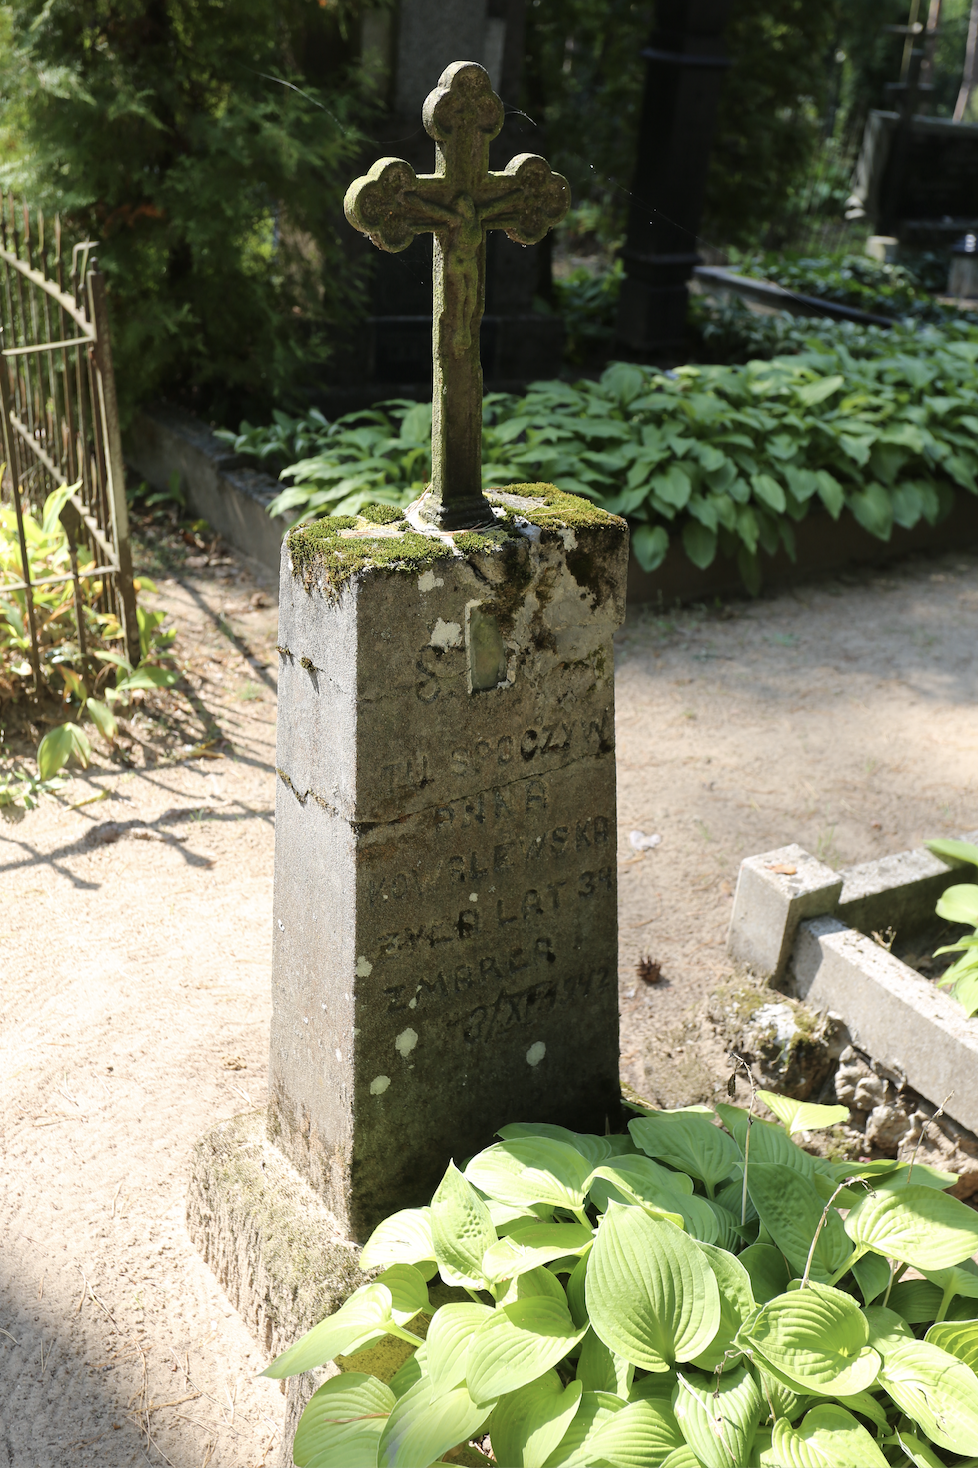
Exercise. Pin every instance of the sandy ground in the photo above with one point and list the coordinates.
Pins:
(135, 995)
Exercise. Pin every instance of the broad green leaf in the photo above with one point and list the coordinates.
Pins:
(574, 1449)
(872, 1276)
(593, 1149)
(817, 1338)
(531, 1170)
(867, 1406)
(409, 1372)
(148, 676)
(956, 904)
(814, 393)
(736, 1305)
(803, 1116)
(767, 1270)
(461, 1230)
(639, 1176)
(960, 1279)
(102, 717)
(954, 851)
(690, 1142)
(518, 1343)
(936, 1389)
(651, 1294)
(673, 487)
(58, 746)
(642, 1435)
(452, 1328)
(699, 543)
(771, 1144)
(719, 1417)
(404, 1238)
(342, 1422)
(784, 1400)
(873, 508)
(421, 1427)
(408, 1290)
(916, 1225)
(650, 544)
(828, 1437)
(769, 492)
(919, 1453)
(535, 1283)
(598, 1369)
(683, 1457)
(957, 1337)
(529, 1424)
(528, 1245)
(916, 1300)
(790, 1209)
(365, 1313)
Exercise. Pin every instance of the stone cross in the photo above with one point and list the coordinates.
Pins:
(458, 203)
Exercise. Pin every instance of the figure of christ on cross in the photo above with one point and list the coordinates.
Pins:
(458, 203)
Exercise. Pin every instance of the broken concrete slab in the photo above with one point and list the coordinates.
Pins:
(775, 891)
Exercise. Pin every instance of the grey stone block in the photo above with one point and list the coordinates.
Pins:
(912, 1028)
(769, 904)
(898, 891)
(445, 939)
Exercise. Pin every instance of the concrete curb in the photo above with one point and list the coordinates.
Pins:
(811, 930)
(224, 490)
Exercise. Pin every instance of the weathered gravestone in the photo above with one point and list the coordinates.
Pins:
(445, 913)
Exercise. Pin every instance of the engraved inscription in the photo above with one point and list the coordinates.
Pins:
(515, 1007)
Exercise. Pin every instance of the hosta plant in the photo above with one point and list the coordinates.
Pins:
(697, 1291)
(959, 904)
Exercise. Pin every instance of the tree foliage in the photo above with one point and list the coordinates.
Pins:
(205, 145)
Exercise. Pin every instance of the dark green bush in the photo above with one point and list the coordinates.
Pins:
(205, 144)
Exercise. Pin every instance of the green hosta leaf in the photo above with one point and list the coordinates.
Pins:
(518, 1343)
(342, 1423)
(410, 1372)
(954, 851)
(830, 492)
(651, 545)
(916, 1225)
(803, 1116)
(866, 1406)
(872, 1276)
(639, 1177)
(737, 1303)
(956, 904)
(719, 1418)
(767, 1270)
(408, 1290)
(829, 1437)
(936, 1389)
(784, 1400)
(642, 1435)
(673, 487)
(814, 393)
(535, 1283)
(529, 1424)
(960, 1279)
(593, 1149)
(404, 1238)
(916, 1300)
(148, 676)
(919, 1453)
(421, 1427)
(958, 1337)
(683, 1457)
(600, 1370)
(699, 543)
(574, 1450)
(817, 1338)
(461, 1229)
(58, 746)
(689, 1141)
(532, 1170)
(365, 1313)
(873, 509)
(790, 1209)
(771, 1144)
(769, 492)
(651, 1294)
(528, 1245)
(449, 1334)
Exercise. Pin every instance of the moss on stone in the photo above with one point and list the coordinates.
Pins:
(379, 514)
(341, 557)
(557, 510)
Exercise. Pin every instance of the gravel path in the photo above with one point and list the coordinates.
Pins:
(135, 1001)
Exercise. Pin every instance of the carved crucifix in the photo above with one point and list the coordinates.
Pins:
(458, 203)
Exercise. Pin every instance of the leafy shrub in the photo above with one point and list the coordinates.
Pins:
(960, 905)
(206, 148)
(588, 303)
(683, 1295)
(725, 459)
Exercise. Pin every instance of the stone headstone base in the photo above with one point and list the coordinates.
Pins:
(274, 1248)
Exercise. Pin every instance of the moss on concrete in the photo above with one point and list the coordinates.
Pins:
(557, 510)
(381, 514)
(341, 557)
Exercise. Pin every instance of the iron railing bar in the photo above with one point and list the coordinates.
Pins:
(75, 341)
(6, 586)
(18, 510)
(63, 299)
(65, 379)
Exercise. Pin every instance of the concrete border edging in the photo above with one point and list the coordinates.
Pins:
(799, 929)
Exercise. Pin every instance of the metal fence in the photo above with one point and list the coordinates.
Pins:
(61, 418)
